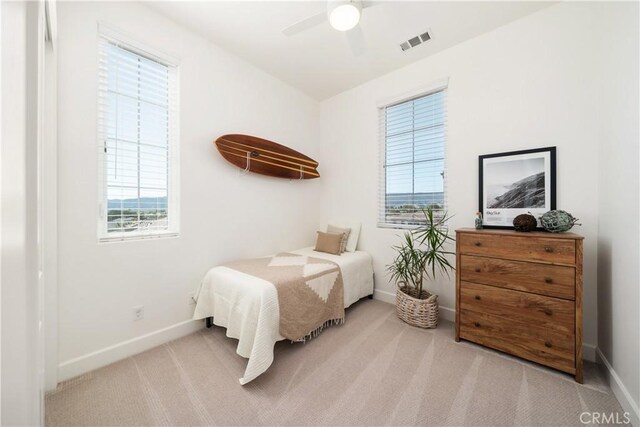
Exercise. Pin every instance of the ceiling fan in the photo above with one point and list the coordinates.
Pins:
(343, 15)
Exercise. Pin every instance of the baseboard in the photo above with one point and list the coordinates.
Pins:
(619, 390)
(384, 296)
(447, 313)
(83, 364)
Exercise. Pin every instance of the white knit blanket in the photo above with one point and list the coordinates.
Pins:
(248, 306)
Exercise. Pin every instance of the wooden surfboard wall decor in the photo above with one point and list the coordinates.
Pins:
(265, 157)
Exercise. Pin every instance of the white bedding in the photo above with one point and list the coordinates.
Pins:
(248, 306)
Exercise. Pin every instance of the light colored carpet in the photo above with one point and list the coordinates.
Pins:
(374, 370)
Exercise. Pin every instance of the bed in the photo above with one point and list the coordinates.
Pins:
(247, 306)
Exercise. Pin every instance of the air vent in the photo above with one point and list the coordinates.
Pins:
(415, 41)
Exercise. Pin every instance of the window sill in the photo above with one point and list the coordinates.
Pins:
(137, 237)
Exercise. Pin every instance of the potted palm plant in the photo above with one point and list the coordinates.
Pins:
(422, 254)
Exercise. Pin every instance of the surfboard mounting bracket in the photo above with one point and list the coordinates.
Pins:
(248, 167)
(301, 175)
(250, 155)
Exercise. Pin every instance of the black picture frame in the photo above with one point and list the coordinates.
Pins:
(519, 174)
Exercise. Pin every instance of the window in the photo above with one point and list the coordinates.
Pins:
(137, 143)
(413, 137)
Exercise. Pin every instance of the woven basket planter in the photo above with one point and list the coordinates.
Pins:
(420, 312)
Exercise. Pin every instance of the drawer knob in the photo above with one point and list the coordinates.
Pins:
(548, 312)
(478, 297)
(476, 324)
(548, 249)
(477, 270)
(548, 280)
(547, 344)
(477, 243)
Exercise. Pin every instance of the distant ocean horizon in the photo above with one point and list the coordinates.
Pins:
(416, 199)
(142, 202)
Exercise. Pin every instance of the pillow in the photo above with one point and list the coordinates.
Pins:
(352, 240)
(345, 235)
(329, 242)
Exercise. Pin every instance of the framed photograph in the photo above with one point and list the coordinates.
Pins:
(516, 182)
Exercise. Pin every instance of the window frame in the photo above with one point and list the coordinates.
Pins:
(123, 41)
(435, 87)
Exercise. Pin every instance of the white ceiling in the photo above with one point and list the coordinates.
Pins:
(319, 61)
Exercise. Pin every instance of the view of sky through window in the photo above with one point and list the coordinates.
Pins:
(136, 146)
(414, 157)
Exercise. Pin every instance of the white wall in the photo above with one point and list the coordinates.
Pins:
(618, 231)
(20, 390)
(527, 84)
(224, 214)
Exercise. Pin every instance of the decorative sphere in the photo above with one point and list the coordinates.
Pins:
(525, 222)
(558, 221)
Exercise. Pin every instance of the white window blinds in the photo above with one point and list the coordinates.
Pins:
(412, 177)
(137, 143)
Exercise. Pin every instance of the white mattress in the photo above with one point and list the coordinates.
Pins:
(248, 306)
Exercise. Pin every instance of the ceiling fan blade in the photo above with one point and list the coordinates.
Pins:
(305, 24)
(356, 41)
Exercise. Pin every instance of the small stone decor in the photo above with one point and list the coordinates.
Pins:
(525, 222)
(558, 221)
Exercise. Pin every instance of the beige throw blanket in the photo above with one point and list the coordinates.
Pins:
(310, 291)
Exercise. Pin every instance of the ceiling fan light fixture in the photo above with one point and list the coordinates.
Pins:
(345, 15)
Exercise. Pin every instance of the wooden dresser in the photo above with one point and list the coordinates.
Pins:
(521, 293)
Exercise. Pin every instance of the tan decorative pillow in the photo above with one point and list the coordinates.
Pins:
(345, 232)
(329, 242)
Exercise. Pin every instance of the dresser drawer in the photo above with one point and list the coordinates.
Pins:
(534, 343)
(544, 279)
(538, 311)
(526, 248)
